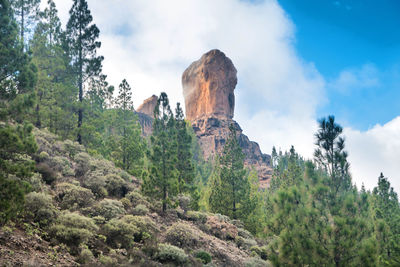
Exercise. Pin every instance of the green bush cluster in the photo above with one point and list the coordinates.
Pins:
(116, 186)
(204, 256)
(262, 252)
(96, 182)
(136, 198)
(197, 216)
(181, 235)
(125, 231)
(171, 254)
(73, 229)
(39, 208)
(140, 210)
(108, 209)
(245, 243)
(257, 262)
(74, 197)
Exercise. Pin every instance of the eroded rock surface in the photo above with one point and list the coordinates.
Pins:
(148, 105)
(208, 86)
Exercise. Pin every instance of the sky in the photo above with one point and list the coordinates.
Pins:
(297, 62)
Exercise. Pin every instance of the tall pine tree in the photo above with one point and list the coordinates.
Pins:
(162, 181)
(82, 46)
(27, 11)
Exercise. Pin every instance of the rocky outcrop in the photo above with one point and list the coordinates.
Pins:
(208, 88)
(148, 105)
(145, 114)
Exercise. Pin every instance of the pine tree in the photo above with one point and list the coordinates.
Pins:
(330, 154)
(229, 186)
(386, 210)
(131, 146)
(184, 164)
(27, 11)
(17, 75)
(162, 181)
(82, 45)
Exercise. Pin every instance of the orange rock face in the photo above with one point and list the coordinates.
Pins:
(148, 106)
(208, 86)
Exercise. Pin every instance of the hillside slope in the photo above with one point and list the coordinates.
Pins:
(85, 211)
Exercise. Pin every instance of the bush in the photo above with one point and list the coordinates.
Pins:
(204, 256)
(140, 210)
(82, 167)
(262, 252)
(256, 262)
(219, 226)
(73, 229)
(125, 231)
(245, 243)
(181, 235)
(48, 174)
(197, 216)
(96, 182)
(39, 208)
(74, 197)
(86, 256)
(170, 254)
(184, 202)
(136, 198)
(109, 209)
(72, 148)
(116, 186)
(61, 164)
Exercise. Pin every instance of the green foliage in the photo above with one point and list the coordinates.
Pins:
(39, 208)
(74, 197)
(73, 229)
(125, 231)
(108, 209)
(82, 45)
(256, 262)
(116, 186)
(162, 181)
(170, 254)
(181, 235)
(140, 210)
(204, 256)
(229, 187)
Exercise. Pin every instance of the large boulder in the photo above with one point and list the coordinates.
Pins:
(148, 105)
(208, 86)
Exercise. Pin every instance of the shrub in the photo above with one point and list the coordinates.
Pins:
(48, 174)
(82, 167)
(244, 233)
(184, 202)
(43, 155)
(73, 229)
(125, 231)
(219, 226)
(86, 256)
(204, 256)
(262, 252)
(96, 182)
(256, 262)
(116, 186)
(109, 209)
(136, 198)
(140, 210)
(74, 197)
(39, 208)
(170, 254)
(245, 243)
(181, 235)
(72, 148)
(61, 164)
(197, 216)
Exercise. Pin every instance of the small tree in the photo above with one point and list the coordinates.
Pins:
(162, 180)
(229, 185)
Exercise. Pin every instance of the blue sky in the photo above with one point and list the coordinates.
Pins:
(347, 35)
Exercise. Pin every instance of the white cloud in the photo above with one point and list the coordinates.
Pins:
(152, 42)
(374, 151)
(367, 76)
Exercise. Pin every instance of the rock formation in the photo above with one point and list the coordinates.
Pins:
(208, 86)
(145, 114)
(148, 106)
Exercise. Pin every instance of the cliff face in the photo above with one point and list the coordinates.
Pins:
(145, 114)
(208, 88)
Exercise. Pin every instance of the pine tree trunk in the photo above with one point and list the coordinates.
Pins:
(80, 111)
(22, 23)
